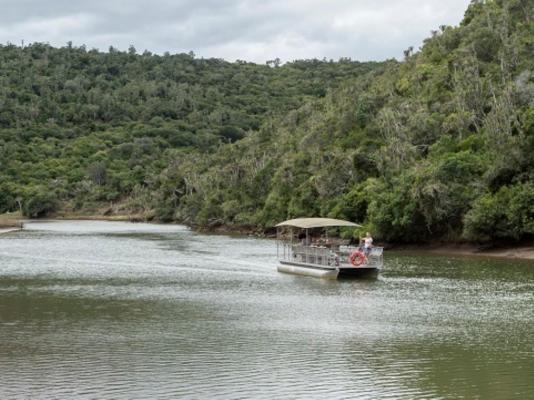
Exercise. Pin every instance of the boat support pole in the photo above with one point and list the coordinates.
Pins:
(307, 244)
(290, 250)
(277, 242)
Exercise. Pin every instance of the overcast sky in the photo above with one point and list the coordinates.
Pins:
(251, 30)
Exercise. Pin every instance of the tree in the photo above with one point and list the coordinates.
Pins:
(97, 172)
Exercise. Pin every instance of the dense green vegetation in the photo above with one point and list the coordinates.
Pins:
(81, 127)
(439, 146)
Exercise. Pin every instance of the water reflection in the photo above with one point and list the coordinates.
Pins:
(91, 309)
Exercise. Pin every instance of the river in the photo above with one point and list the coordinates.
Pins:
(113, 310)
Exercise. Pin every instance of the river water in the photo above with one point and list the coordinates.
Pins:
(136, 311)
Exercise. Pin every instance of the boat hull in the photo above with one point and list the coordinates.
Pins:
(348, 273)
(326, 272)
(306, 271)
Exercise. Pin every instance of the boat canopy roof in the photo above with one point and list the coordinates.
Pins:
(307, 223)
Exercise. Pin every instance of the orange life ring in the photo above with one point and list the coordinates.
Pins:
(357, 258)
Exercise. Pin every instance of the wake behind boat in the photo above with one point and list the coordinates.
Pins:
(325, 259)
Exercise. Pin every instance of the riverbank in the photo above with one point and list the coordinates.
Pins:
(105, 213)
(114, 214)
(10, 222)
(81, 217)
(524, 252)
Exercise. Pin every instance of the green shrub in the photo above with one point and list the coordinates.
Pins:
(7, 200)
(39, 202)
(507, 214)
(393, 213)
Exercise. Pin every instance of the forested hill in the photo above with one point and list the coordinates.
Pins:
(440, 146)
(81, 128)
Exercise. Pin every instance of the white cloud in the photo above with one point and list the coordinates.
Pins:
(252, 30)
(55, 27)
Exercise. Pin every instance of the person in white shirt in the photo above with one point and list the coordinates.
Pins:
(367, 243)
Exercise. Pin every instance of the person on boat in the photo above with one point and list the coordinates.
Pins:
(367, 243)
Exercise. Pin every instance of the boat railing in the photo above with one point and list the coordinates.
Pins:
(316, 255)
(328, 256)
(373, 256)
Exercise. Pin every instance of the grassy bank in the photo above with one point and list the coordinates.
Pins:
(10, 224)
(10, 221)
(118, 211)
(85, 217)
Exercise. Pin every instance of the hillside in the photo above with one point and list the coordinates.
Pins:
(81, 128)
(437, 147)
(440, 146)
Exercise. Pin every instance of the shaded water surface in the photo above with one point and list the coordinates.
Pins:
(136, 311)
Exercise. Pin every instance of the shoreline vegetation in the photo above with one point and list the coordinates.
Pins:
(515, 252)
(523, 251)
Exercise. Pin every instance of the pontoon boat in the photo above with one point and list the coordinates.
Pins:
(325, 258)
